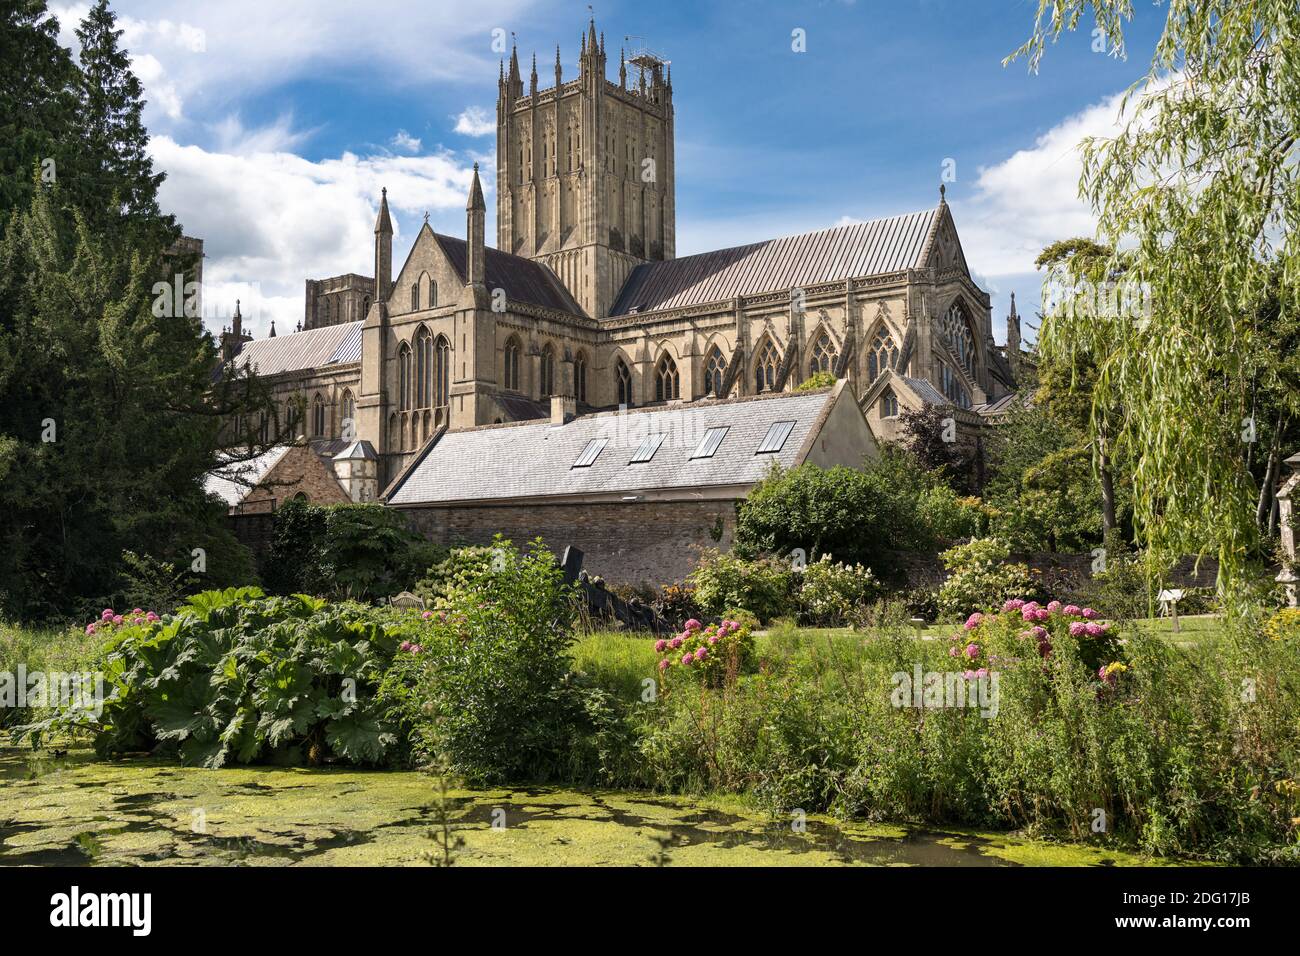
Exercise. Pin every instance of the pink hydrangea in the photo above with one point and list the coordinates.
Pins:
(404, 646)
(982, 672)
(151, 616)
(973, 621)
(663, 664)
(117, 619)
(701, 653)
(1078, 628)
(1090, 614)
(675, 643)
(687, 658)
(90, 628)
(1053, 606)
(972, 651)
(107, 614)
(1015, 604)
(1029, 611)
(693, 625)
(660, 645)
(1042, 614)
(1073, 610)
(968, 674)
(1039, 632)
(713, 638)
(1095, 630)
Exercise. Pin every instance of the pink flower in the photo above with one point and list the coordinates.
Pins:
(404, 646)
(107, 615)
(1042, 614)
(90, 628)
(136, 610)
(1094, 630)
(1039, 632)
(687, 658)
(713, 638)
(1029, 611)
(1073, 610)
(1054, 606)
(973, 621)
(117, 619)
(151, 616)
(1089, 613)
(663, 664)
(416, 648)
(660, 645)
(675, 643)
(693, 625)
(701, 653)
(427, 615)
(972, 651)
(982, 672)
(1078, 628)
(1015, 604)
(968, 674)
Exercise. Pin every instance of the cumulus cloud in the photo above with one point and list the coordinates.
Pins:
(404, 142)
(475, 121)
(271, 219)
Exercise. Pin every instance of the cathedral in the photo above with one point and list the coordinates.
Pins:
(582, 305)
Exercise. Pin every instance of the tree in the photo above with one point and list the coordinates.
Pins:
(929, 435)
(1195, 197)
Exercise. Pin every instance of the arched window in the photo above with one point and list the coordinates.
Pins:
(667, 381)
(888, 404)
(950, 384)
(347, 415)
(547, 374)
(394, 433)
(405, 380)
(715, 372)
(423, 368)
(823, 355)
(415, 296)
(580, 377)
(442, 373)
(512, 363)
(318, 416)
(957, 333)
(433, 293)
(365, 307)
(765, 365)
(881, 354)
(623, 381)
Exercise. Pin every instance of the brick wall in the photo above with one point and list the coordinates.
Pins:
(635, 543)
(300, 471)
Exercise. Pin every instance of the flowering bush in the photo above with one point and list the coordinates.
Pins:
(980, 573)
(989, 639)
(1283, 625)
(830, 591)
(714, 655)
(764, 587)
(109, 620)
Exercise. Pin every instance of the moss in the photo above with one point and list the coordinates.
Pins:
(76, 811)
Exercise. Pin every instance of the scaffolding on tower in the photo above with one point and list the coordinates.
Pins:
(648, 64)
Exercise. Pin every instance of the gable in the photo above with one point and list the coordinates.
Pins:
(426, 260)
(945, 251)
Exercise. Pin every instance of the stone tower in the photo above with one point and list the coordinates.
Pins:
(585, 170)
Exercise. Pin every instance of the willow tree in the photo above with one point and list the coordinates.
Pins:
(1197, 195)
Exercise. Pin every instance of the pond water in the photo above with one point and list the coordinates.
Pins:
(74, 811)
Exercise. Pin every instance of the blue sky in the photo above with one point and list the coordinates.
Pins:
(278, 122)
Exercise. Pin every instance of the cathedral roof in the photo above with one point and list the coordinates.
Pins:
(539, 459)
(331, 345)
(860, 249)
(523, 279)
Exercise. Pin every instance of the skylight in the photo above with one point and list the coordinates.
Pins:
(591, 453)
(775, 438)
(647, 448)
(710, 442)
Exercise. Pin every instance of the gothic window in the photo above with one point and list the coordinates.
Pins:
(548, 372)
(765, 367)
(423, 368)
(667, 381)
(348, 414)
(405, 384)
(394, 433)
(823, 355)
(951, 385)
(415, 297)
(881, 354)
(318, 416)
(888, 404)
(442, 373)
(512, 364)
(957, 333)
(433, 294)
(580, 377)
(715, 372)
(365, 307)
(623, 379)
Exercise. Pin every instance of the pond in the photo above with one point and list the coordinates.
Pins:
(74, 811)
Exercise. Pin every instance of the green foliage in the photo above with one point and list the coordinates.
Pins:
(830, 593)
(237, 676)
(459, 567)
(357, 551)
(726, 581)
(926, 435)
(817, 380)
(981, 575)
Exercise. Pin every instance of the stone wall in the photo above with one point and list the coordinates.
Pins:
(652, 543)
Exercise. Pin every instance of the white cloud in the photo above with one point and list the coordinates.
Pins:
(232, 136)
(270, 219)
(404, 142)
(475, 121)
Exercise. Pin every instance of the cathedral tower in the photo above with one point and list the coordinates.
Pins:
(585, 171)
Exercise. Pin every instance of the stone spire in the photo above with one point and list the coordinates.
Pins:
(622, 69)
(558, 70)
(1013, 333)
(383, 250)
(475, 234)
(532, 85)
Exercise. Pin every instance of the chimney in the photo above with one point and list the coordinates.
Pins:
(564, 408)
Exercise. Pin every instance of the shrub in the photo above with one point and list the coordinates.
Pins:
(830, 592)
(456, 569)
(360, 552)
(713, 655)
(764, 586)
(981, 575)
(744, 618)
(815, 381)
(677, 604)
(235, 675)
(1284, 625)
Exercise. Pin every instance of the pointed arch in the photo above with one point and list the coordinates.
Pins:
(667, 379)
(882, 352)
(888, 403)
(318, 416)
(952, 386)
(511, 356)
(423, 368)
(347, 414)
(767, 362)
(442, 372)
(580, 376)
(546, 371)
(715, 371)
(822, 353)
(623, 382)
(959, 334)
(405, 378)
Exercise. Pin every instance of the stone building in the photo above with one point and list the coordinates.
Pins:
(583, 299)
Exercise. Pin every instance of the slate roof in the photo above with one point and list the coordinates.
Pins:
(860, 249)
(232, 483)
(313, 348)
(523, 279)
(925, 391)
(536, 459)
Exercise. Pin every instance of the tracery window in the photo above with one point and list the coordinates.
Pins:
(667, 381)
(957, 333)
(766, 364)
(715, 372)
(623, 380)
(442, 372)
(580, 377)
(512, 363)
(548, 372)
(823, 355)
(881, 354)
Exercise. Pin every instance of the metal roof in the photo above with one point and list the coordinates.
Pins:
(523, 279)
(231, 482)
(536, 459)
(860, 249)
(331, 345)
